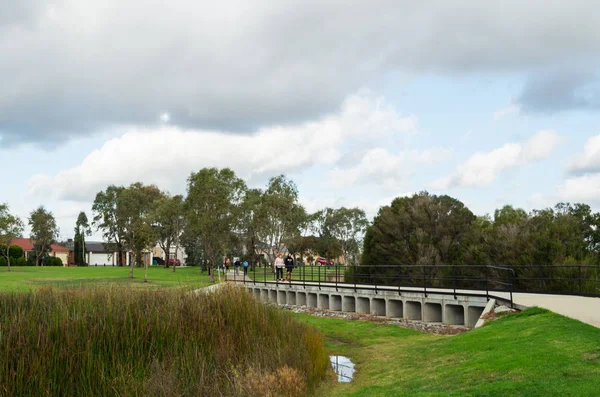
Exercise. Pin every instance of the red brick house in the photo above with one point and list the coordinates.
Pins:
(56, 250)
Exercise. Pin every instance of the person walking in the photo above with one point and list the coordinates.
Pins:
(279, 267)
(236, 267)
(289, 266)
(245, 266)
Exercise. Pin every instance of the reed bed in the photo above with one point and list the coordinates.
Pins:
(118, 341)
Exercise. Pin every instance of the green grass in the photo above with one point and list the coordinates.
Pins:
(120, 341)
(24, 278)
(534, 353)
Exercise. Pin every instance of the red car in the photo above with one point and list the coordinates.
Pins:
(322, 261)
(172, 261)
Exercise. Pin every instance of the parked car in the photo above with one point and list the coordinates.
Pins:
(172, 261)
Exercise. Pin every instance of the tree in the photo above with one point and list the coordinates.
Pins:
(168, 223)
(105, 220)
(347, 226)
(82, 228)
(249, 223)
(11, 227)
(280, 214)
(44, 232)
(420, 230)
(135, 206)
(212, 205)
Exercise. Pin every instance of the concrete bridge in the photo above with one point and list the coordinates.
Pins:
(452, 307)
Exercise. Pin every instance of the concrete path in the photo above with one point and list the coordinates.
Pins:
(578, 307)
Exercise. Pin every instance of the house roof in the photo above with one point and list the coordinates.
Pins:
(27, 245)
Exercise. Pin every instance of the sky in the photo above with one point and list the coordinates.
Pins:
(492, 103)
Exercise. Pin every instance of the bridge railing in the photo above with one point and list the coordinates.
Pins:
(560, 279)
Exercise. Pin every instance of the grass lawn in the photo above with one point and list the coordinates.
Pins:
(533, 353)
(23, 278)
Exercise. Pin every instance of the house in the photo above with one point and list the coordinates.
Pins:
(57, 251)
(96, 254)
(158, 252)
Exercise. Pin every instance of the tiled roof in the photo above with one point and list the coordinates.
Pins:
(27, 245)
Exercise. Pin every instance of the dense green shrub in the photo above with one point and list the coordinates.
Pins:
(16, 252)
(20, 262)
(119, 341)
(3, 261)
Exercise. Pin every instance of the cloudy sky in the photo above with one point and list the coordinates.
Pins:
(490, 102)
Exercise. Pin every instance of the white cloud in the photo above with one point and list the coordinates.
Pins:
(585, 188)
(540, 146)
(390, 171)
(483, 168)
(510, 110)
(371, 207)
(589, 160)
(166, 155)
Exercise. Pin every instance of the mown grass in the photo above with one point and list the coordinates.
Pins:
(534, 353)
(121, 341)
(25, 278)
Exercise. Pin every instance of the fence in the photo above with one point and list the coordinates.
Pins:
(563, 279)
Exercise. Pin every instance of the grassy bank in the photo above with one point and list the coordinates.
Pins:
(535, 353)
(24, 278)
(121, 341)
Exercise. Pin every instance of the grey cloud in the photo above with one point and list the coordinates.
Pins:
(74, 67)
(561, 91)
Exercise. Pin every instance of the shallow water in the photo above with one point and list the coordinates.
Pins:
(343, 368)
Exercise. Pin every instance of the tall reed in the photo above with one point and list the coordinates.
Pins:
(118, 341)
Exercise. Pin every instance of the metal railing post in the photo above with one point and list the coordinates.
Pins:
(511, 275)
(354, 276)
(487, 291)
(425, 281)
(265, 279)
(337, 275)
(319, 278)
(454, 280)
(580, 282)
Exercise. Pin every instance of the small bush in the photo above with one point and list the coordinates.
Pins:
(119, 341)
(20, 262)
(3, 261)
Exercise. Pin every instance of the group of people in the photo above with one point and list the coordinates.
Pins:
(236, 266)
(280, 263)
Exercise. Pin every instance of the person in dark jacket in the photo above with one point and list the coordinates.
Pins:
(289, 266)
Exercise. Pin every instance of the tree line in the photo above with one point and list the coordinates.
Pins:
(441, 232)
(219, 215)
